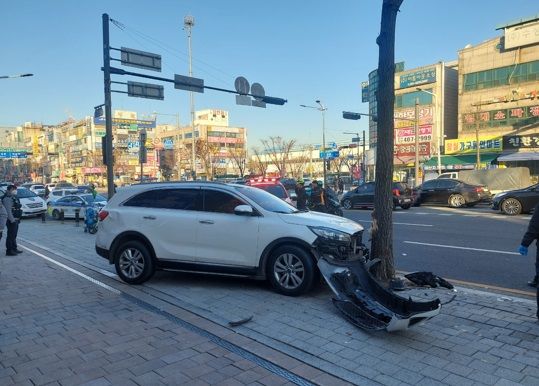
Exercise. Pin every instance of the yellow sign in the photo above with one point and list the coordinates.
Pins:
(466, 144)
(35, 146)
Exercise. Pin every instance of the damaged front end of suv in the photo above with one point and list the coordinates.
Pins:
(345, 264)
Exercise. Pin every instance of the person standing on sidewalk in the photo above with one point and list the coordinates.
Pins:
(301, 195)
(14, 214)
(532, 234)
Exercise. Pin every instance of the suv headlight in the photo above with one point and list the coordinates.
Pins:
(331, 234)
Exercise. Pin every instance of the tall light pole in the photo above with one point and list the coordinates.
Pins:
(189, 23)
(15, 76)
(322, 109)
(439, 127)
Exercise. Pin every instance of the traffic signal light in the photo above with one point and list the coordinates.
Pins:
(142, 147)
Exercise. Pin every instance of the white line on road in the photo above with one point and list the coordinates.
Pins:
(401, 223)
(91, 279)
(457, 247)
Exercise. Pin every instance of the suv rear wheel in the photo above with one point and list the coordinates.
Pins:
(291, 270)
(133, 263)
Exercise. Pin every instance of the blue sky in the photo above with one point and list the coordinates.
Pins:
(300, 50)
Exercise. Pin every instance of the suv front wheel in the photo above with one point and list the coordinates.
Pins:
(291, 270)
(134, 263)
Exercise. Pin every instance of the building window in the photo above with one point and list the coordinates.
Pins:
(520, 73)
(408, 99)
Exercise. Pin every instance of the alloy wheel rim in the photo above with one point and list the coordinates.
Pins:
(458, 201)
(131, 263)
(289, 271)
(511, 206)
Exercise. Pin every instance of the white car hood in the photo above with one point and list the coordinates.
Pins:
(318, 219)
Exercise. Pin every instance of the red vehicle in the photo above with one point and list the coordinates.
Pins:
(271, 185)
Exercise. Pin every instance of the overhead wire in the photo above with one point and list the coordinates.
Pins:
(174, 52)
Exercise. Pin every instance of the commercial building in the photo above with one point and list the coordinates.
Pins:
(434, 88)
(498, 98)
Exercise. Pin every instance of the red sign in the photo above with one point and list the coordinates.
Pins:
(409, 150)
(93, 170)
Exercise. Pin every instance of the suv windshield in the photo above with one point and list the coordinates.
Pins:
(266, 200)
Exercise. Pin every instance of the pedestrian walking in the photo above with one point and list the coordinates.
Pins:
(532, 234)
(14, 213)
(301, 195)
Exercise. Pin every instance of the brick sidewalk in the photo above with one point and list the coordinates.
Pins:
(480, 338)
(57, 328)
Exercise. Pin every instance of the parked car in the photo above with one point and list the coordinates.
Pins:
(454, 193)
(77, 202)
(518, 201)
(59, 193)
(220, 228)
(64, 185)
(271, 185)
(38, 189)
(363, 196)
(31, 203)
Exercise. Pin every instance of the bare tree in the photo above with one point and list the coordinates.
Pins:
(206, 152)
(238, 157)
(257, 164)
(382, 228)
(296, 165)
(278, 151)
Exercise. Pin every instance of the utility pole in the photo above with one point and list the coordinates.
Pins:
(477, 147)
(416, 177)
(108, 107)
(323, 109)
(189, 23)
(364, 163)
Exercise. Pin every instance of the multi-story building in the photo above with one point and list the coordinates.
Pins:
(498, 98)
(434, 88)
(218, 146)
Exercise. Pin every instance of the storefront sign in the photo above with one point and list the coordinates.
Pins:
(364, 92)
(93, 170)
(418, 77)
(407, 135)
(406, 117)
(400, 151)
(468, 144)
(520, 141)
(129, 124)
(521, 35)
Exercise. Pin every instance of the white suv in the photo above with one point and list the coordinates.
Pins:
(220, 228)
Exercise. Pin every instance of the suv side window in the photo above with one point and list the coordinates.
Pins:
(180, 199)
(220, 202)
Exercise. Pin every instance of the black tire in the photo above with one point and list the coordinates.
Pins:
(406, 206)
(285, 261)
(347, 204)
(511, 206)
(133, 262)
(56, 214)
(456, 201)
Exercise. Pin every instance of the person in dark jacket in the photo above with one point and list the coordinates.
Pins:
(532, 234)
(14, 213)
(341, 185)
(317, 197)
(301, 195)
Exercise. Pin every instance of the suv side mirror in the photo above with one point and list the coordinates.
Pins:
(243, 210)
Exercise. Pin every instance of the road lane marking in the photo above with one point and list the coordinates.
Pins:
(91, 279)
(400, 223)
(457, 247)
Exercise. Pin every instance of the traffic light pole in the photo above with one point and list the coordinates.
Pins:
(108, 107)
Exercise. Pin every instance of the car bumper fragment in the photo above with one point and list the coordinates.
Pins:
(366, 303)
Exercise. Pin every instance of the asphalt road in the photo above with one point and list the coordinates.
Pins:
(475, 245)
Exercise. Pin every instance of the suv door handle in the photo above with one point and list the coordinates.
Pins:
(149, 217)
(206, 222)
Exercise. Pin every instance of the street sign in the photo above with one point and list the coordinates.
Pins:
(145, 90)
(355, 139)
(188, 83)
(141, 59)
(331, 154)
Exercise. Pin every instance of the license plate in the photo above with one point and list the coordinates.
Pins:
(407, 200)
